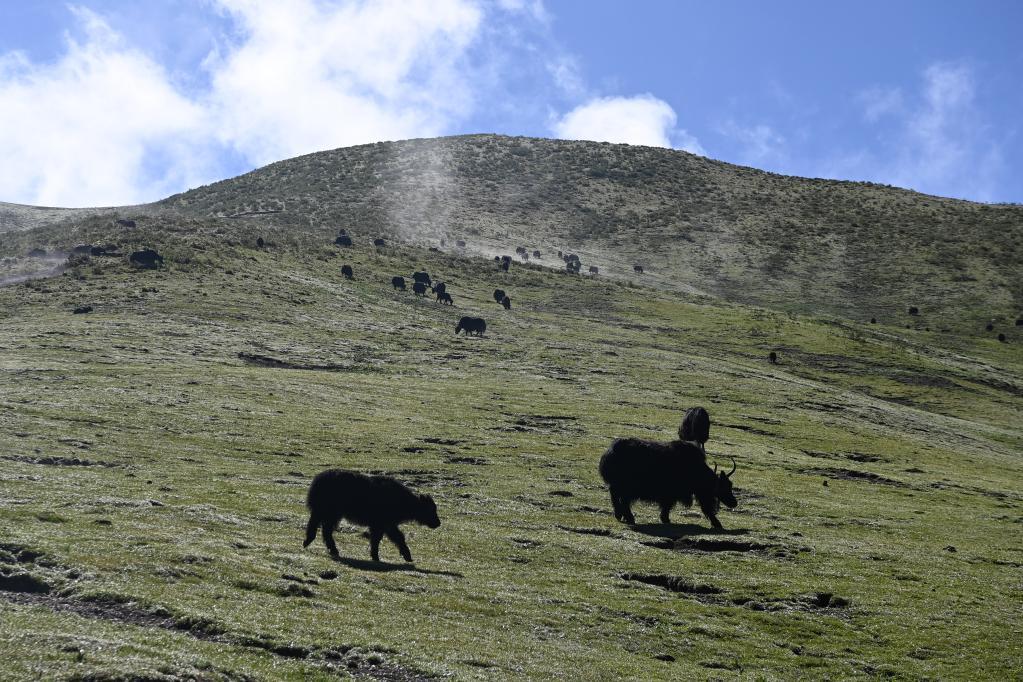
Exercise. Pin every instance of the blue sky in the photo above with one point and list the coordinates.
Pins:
(110, 102)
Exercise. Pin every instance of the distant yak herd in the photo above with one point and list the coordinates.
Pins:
(634, 470)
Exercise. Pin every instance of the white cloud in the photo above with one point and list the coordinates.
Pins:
(879, 102)
(106, 124)
(641, 120)
(308, 76)
(77, 131)
(936, 141)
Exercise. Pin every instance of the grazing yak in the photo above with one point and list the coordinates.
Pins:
(460, 243)
(398, 282)
(379, 242)
(146, 259)
(126, 223)
(498, 295)
(536, 253)
(695, 426)
(419, 288)
(471, 325)
(445, 298)
(347, 271)
(260, 243)
(505, 264)
(506, 302)
(520, 249)
(422, 277)
(380, 502)
(440, 288)
(638, 268)
(594, 270)
(663, 473)
(343, 240)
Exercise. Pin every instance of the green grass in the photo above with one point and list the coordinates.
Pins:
(189, 504)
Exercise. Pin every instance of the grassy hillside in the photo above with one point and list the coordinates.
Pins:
(859, 250)
(151, 493)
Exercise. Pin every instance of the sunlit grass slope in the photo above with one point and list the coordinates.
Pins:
(152, 475)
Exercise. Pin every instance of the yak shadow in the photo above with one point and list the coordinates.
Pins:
(385, 567)
(674, 531)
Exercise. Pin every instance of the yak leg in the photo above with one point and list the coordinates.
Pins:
(709, 509)
(395, 535)
(666, 507)
(625, 507)
(328, 527)
(374, 543)
(310, 530)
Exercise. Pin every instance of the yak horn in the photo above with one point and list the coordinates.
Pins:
(734, 466)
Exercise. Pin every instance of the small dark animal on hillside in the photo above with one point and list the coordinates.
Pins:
(343, 240)
(146, 259)
(505, 264)
(82, 249)
(594, 270)
(695, 426)
(525, 256)
(520, 249)
(873, 320)
(126, 223)
(471, 325)
(1001, 337)
(772, 357)
(379, 242)
(573, 266)
(536, 253)
(347, 271)
(560, 254)
(422, 277)
(498, 294)
(1019, 322)
(506, 302)
(913, 310)
(379, 502)
(445, 298)
(434, 249)
(990, 327)
(342, 231)
(398, 282)
(419, 288)
(506, 259)
(460, 243)
(638, 268)
(440, 288)
(82, 309)
(260, 243)
(664, 473)
(497, 259)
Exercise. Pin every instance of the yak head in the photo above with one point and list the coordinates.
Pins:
(724, 491)
(428, 512)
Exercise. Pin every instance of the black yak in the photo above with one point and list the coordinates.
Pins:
(520, 249)
(1001, 337)
(498, 295)
(506, 302)
(505, 264)
(343, 240)
(422, 277)
(990, 327)
(379, 502)
(638, 268)
(260, 243)
(419, 288)
(445, 298)
(695, 426)
(146, 258)
(1019, 322)
(664, 473)
(379, 242)
(460, 243)
(772, 357)
(398, 282)
(594, 270)
(440, 288)
(913, 310)
(471, 325)
(347, 271)
(536, 253)
(342, 232)
(126, 223)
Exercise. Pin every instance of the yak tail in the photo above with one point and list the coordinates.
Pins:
(310, 529)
